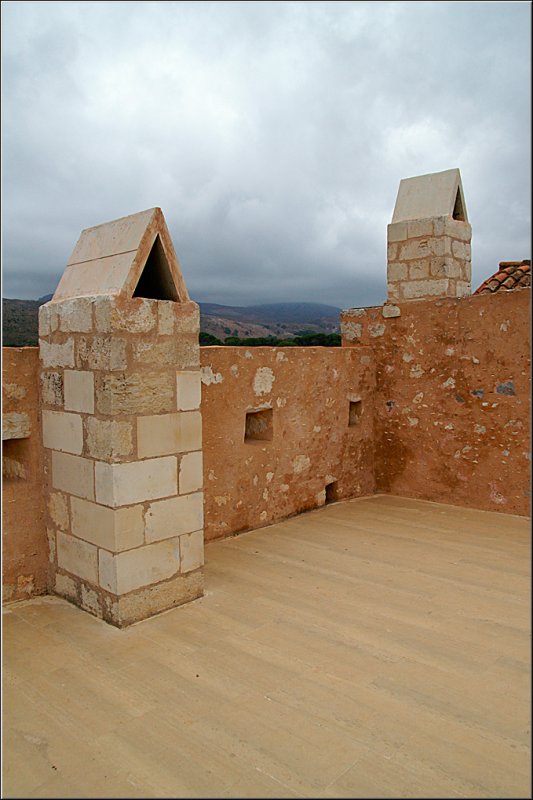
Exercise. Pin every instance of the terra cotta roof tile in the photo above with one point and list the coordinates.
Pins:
(510, 275)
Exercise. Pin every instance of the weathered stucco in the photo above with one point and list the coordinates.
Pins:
(250, 483)
(24, 542)
(453, 398)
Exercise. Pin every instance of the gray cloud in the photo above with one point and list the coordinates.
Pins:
(273, 135)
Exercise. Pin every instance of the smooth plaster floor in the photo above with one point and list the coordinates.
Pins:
(374, 648)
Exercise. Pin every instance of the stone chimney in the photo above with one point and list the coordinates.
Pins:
(121, 423)
(428, 240)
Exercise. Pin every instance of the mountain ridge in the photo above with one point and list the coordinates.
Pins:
(20, 320)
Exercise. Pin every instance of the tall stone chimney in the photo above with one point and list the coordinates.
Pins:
(428, 240)
(121, 423)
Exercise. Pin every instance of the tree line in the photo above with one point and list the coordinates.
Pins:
(304, 340)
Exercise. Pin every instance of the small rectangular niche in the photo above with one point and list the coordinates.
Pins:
(354, 411)
(332, 492)
(15, 457)
(259, 426)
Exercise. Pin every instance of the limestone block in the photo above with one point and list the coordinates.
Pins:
(351, 330)
(419, 269)
(58, 510)
(136, 481)
(65, 586)
(137, 315)
(418, 227)
(174, 516)
(391, 311)
(124, 572)
(441, 246)
(189, 390)
(461, 250)
(75, 315)
(397, 232)
(430, 288)
(77, 557)
(79, 390)
(108, 439)
(154, 599)
(113, 529)
(15, 425)
(191, 473)
(56, 355)
(376, 330)
(396, 272)
(444, 268)
(192, 551)
(414, 249)
(187, 317)
(104, 276)
(48, 319)
(62, 431)
(392, 252)
(425, 196)
(393, 291)
(136, 393)
(73, 474)
(463, 288)
(89, 600)
(465, 270)
(52, 388)
(111, 238)
(165, 317)
(445, 226)
(180, 352)
(163, 434)
(103, 312)
(100, 352)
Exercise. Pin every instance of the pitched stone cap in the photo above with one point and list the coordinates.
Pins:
(132, 256)
(439, 194)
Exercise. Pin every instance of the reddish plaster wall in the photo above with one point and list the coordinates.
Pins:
(452, 404)
(251, 484)
(24, 541)
(445, 391)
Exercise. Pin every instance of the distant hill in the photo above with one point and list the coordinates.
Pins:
(284, 319)
(20, 320)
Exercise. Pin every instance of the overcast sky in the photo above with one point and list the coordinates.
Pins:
(273, 135)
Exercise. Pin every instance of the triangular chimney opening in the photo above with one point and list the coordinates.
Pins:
(156, 281)
(458, 209)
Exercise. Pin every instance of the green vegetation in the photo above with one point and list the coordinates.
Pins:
(20, 323)
(208, 339)
(308, 340)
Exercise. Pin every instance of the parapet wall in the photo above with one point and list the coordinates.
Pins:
(280, 425)
(433, 403)
(453, 398)
(24, 541)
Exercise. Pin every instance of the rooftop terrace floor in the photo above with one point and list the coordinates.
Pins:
(374, 648)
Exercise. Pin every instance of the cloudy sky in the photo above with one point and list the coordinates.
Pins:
(272, 134)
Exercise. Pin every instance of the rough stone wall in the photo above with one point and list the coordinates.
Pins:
(24, 542)
(311, 391)
(452, 403)
(428, 258)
